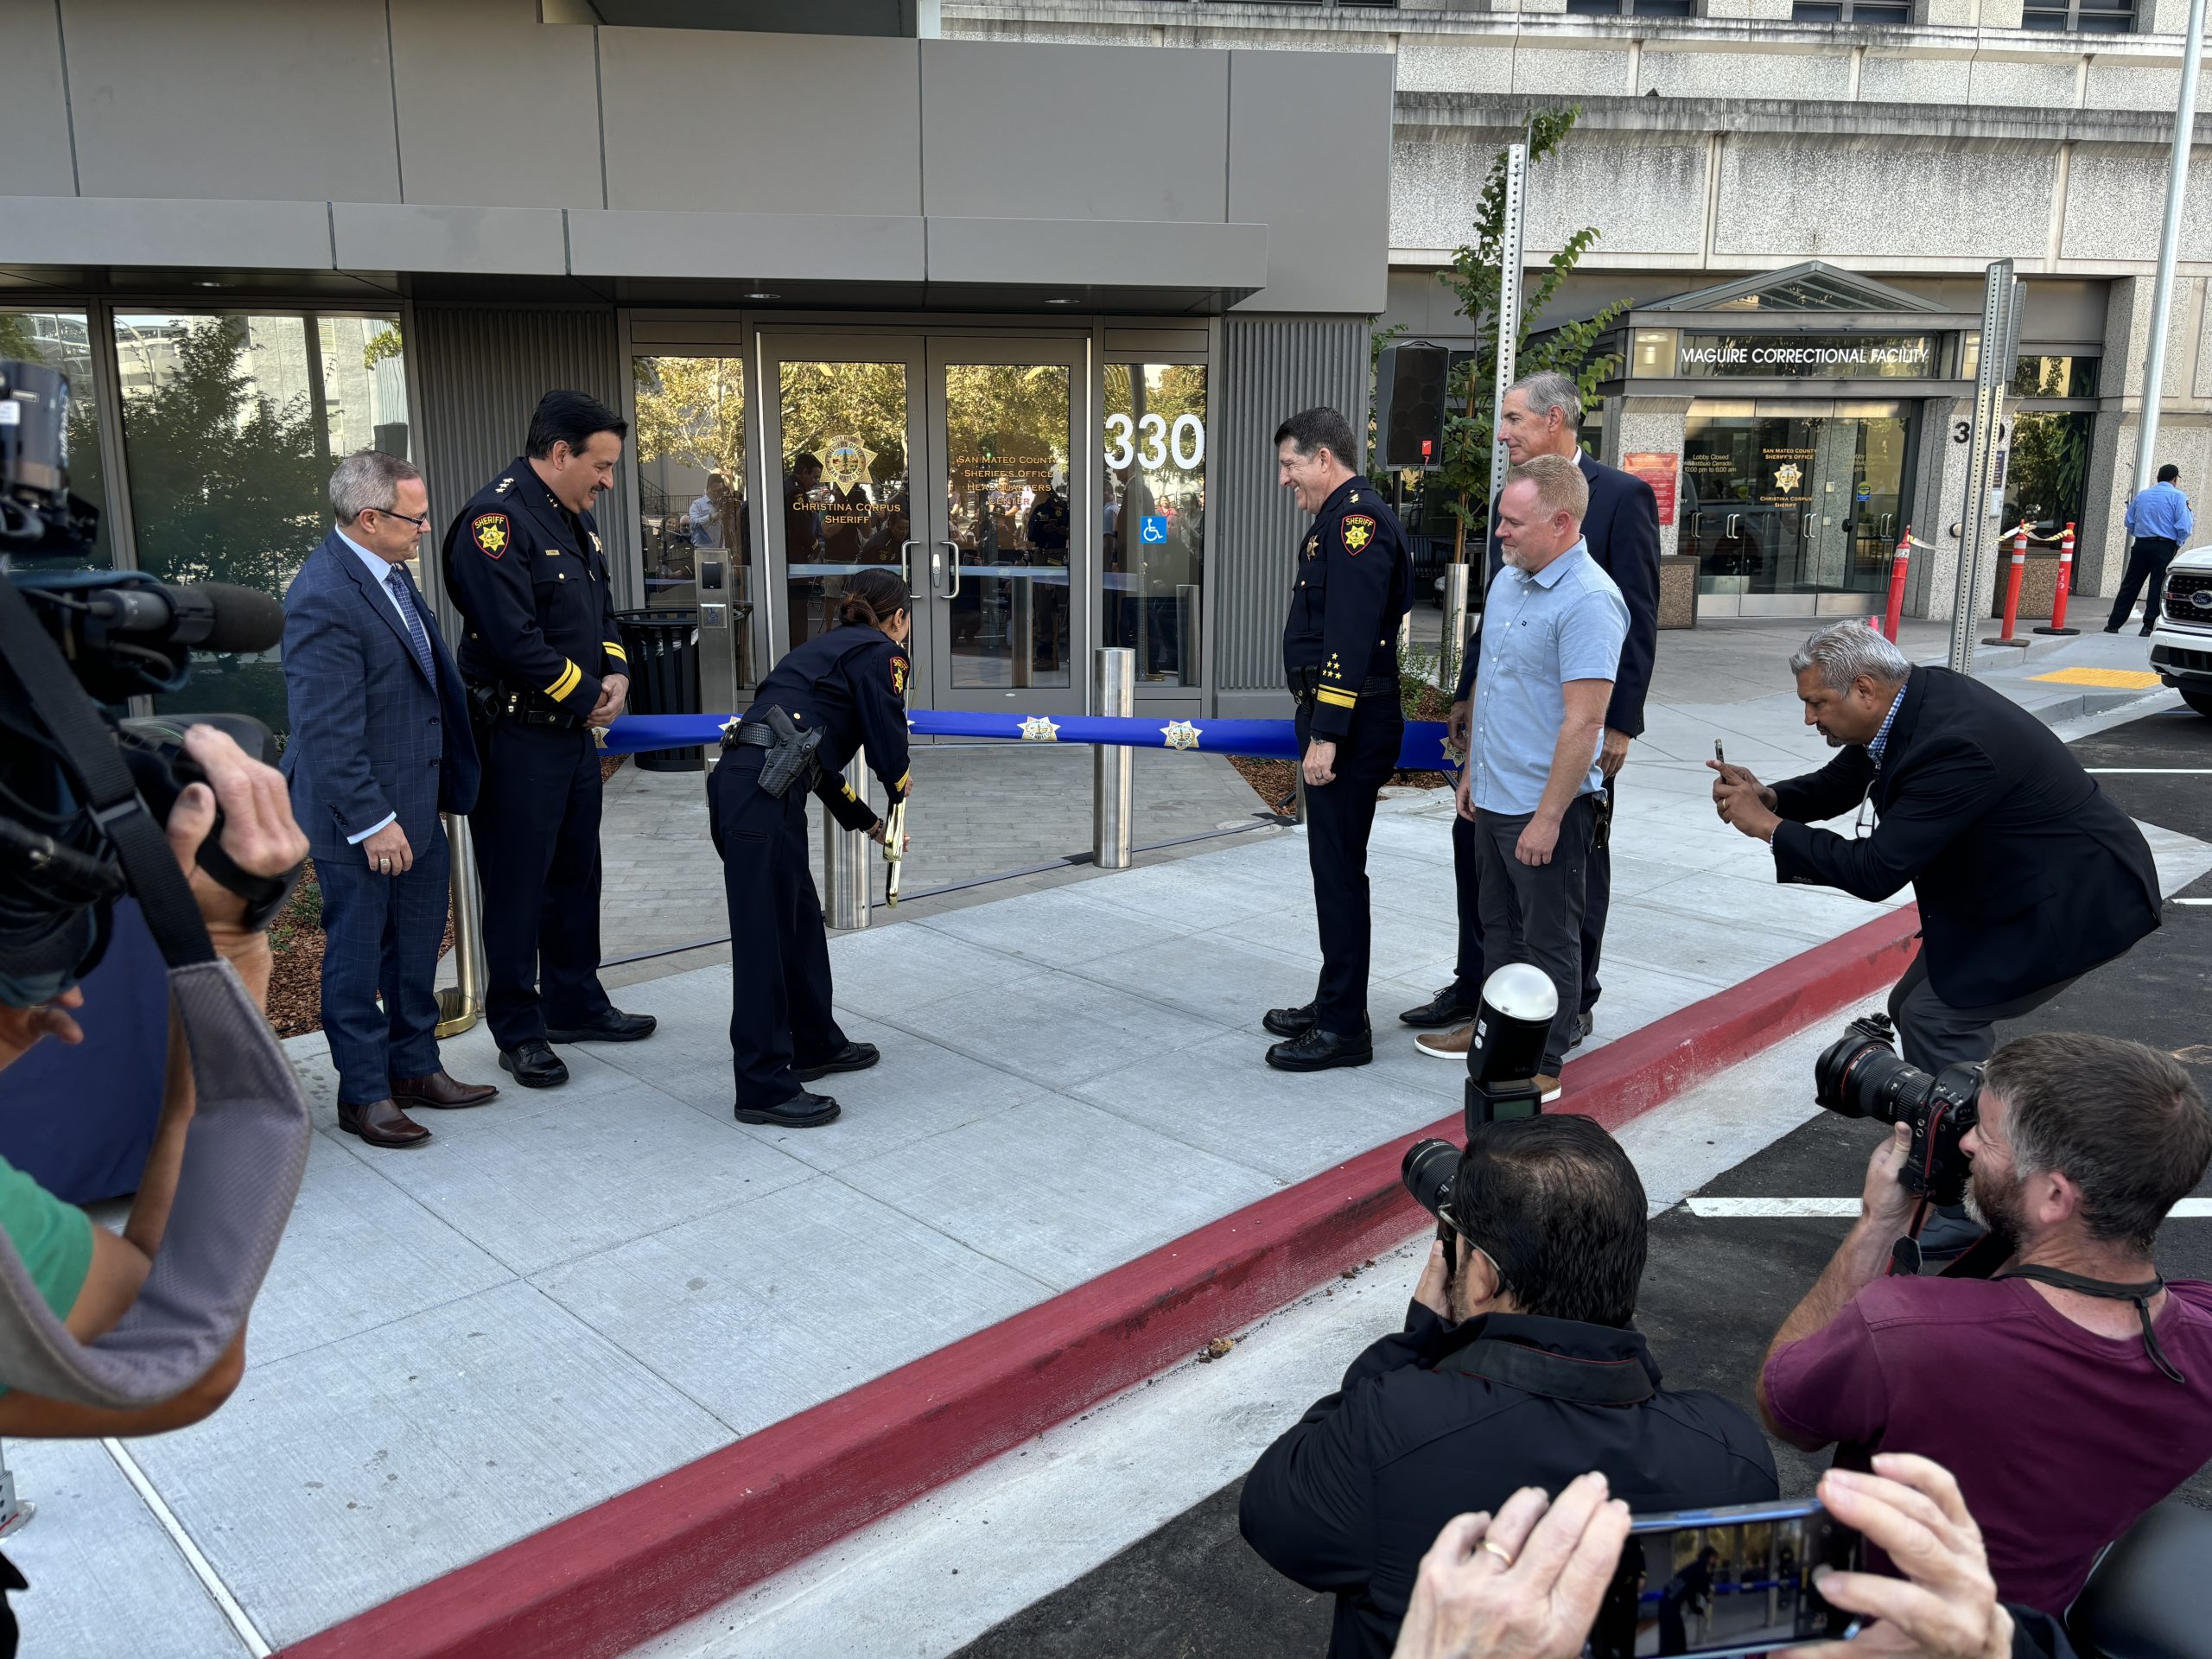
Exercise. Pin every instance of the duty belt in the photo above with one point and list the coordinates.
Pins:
(1306, 681)
(525, 708)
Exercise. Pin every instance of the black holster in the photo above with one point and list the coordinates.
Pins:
(791, 757)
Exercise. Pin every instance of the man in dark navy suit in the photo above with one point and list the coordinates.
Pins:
(379, 746)
(1542, 416)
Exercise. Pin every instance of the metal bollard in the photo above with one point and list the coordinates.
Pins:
(16, 1511)
(460, 1004)
(1455, 626)
(844, 859)
(1113, 766)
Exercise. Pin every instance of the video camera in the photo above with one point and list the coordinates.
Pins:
(1861, 1076)
(120, 633)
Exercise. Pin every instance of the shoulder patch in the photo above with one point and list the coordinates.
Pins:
(491, 532)
(1358, 529)
(898, 668)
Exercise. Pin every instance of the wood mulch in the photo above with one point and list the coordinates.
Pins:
(1275, 781)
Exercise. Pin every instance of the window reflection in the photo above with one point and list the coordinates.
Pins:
(62, 340)
(232, 424)
(1155, 516)
(844, 505)
(1008, 515)
(690, 439)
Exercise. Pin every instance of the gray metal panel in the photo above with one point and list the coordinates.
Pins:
(1271, 367)
(1079, 131)
(34, 115)
(232, 99)
(767, 247)
(383, 235)
(1309, 157)
(481, 373)
(704, 121)
(493, 107)
(1097, 253)
(130, 231)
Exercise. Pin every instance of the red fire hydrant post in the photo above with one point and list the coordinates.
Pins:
(2012, 580)
(1896, 608)
(2065, 587)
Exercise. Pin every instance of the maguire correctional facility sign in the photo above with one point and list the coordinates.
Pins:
(1828, 357)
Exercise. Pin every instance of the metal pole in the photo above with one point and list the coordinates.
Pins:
(2001, 303)
(16, 1511)
(2162, 291)
(1455, 626)
(844, 859)
(460, 1004)
(1113, 766)
(1510, 251)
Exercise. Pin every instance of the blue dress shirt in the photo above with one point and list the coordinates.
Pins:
(2161, 511)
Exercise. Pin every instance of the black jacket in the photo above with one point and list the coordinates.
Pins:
(850, 685)
(1350, 588)
(1622, 527)
(1441, 1419)
(531, 581)
(2025, 871)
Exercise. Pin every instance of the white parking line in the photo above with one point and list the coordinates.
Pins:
(2152, 772)
(1729, 1209)
(2193, 901)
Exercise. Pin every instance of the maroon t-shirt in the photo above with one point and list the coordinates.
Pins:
(2060, 1438)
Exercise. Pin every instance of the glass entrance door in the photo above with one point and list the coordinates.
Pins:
(1007, 603)
(1793, 508)
(950, 461)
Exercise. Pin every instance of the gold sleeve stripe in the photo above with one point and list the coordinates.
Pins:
(571, 677)
(1337, 699)
(615, 651)
(905, 782)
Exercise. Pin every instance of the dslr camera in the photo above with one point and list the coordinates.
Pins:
(1862, 1077)
(1518, 1004)
(123, 634)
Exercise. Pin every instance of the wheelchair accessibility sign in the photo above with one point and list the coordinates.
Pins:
(1152, 531)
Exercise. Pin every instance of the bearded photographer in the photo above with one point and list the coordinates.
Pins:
(2073, 1390)
(1519, 1365)
(89, 1277)
(2027, 875)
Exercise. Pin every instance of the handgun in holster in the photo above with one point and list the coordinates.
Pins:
(790, 756)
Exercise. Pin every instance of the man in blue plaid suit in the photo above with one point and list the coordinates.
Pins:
(380, 745)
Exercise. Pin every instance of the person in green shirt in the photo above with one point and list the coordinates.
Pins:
(89, 1275)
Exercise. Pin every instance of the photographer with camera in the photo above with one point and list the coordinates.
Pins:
(2073, 1390)
(88, 1275)
(1518, 1366)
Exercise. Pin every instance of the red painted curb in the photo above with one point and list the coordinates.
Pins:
(599, 1583)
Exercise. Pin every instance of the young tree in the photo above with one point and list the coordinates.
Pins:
(1474, 278)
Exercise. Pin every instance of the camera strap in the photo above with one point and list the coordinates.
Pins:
(250, 1134)
(2139, 1294)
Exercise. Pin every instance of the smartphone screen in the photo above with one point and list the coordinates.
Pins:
(1724, 1582)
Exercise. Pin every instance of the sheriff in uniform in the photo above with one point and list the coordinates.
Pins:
(524, 566)
(1351, 585)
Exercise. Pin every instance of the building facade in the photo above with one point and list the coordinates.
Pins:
(1017, 318)
(1831, 175)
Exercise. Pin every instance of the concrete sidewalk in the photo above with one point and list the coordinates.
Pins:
(569, 1293)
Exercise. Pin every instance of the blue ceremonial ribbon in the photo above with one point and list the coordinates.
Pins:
(1265, 739)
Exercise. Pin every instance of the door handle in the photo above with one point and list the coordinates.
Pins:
(1735, 522)
(907, 552)
(952, 547)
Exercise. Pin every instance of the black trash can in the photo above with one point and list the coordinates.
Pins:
(664, 648)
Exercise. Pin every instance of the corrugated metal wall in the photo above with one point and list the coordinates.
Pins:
(482, 372)
(1271, 367)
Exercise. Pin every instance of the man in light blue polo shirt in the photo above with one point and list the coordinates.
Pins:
(1553, 626)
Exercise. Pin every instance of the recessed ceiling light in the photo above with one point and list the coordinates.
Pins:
(207, 284)
(1059, 302)
(764, 294)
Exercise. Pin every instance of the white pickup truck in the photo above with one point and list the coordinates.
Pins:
(2181, 643)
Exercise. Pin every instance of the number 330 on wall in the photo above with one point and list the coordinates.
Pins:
(1155, 442)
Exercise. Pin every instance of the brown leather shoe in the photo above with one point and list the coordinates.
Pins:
(439, 1090)
(381, 1123)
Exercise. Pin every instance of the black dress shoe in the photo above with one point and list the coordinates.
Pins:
(802, 1111)
(381, 1123)
(853, 1057)
(1318, 1050)
(611, 1026)
(1446, 1008)
(1289, 1022)
(534, 1065)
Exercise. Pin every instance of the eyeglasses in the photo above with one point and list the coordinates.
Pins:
(421, 523)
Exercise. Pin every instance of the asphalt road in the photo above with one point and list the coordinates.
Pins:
(1715, 1290)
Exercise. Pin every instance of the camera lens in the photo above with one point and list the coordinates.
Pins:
(1427, 1173)
(1861, 1076)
